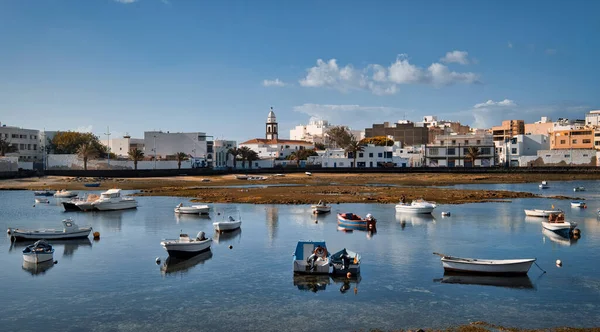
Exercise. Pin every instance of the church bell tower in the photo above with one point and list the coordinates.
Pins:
(271, 131)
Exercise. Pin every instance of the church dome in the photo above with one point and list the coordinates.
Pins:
(271, 118)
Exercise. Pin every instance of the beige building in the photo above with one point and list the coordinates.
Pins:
(542, 127)
(508, 129)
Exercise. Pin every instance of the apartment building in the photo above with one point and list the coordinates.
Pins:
(26, 142)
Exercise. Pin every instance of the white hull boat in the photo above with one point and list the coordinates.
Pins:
(557, 238)
(70, 231)
(194, 209)
(579, 189)
(227, 226)
(41, 200)
(320, 208)
(112, 200)
(311, 258)
(578, 205)
(486, 266)
(563, 228)
(416, 207)
(186, 246)
(65, 194)
(544, 185)
(38, 252)
(542, 213)
(83, 204)
(43, 193)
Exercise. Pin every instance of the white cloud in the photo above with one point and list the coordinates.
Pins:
(351, 115)
(84, 129)
(126, 1)
(505, 102)
(382, 80)
(461, 57)
(275, 82)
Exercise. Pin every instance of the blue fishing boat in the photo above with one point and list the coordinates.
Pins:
(344, 262)
(351, 220)
(311, 257)
(92, 184)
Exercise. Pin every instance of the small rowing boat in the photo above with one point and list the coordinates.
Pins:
(486, 266)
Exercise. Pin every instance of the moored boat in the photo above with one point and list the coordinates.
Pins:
(544, 185)
(111, 200)
(43, 193)
(311, 257)
(580, 188)
(353, 220)
(83, 204)
(92, 184)
(65, 194)
(41, 200)
(542, 213)
(70, 231)
(578, 204)
(38, 252)
(194, 209)
(227, 225)
(320, 208)
(559, 225)
(186, 246)
(419, 206)
(558, 238)
(486, 266)
(344, 262)
(241, 177)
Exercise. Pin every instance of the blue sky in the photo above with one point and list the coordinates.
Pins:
(217, 66)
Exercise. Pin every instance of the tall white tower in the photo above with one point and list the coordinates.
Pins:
(271, 132)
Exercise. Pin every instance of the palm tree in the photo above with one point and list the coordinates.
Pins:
(6, 147)
(354, 147)
(234, 152)
(244, 151)
(86, 151)
(136, 155)
(180, 156)
(473, 153)
(251, 156)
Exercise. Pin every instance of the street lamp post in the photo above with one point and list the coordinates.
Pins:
(107, 133)
(154, 151)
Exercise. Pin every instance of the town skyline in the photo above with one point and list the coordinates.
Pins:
(145, 65)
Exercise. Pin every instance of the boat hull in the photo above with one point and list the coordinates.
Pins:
(488, 267)
(185, 249)
(562, 228)
(92, 185)
(187, 210)
(360, 224)
(414, 209)
(227, 226)
(43, 193)
(41, 200)
(58, 235)
(320, 209)
(34, 257)
(541, 213)
(113, 206)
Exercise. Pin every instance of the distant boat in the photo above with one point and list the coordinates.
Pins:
(578, 204)
(557, 224)
(65, 194)
(43, 193)
(353, 220)
(308, 173)
(70, 231)
(227, 226)
(311, 258)
(38, 252)
(186, 246)
(111, 200)
(256, 178)
(320, 208)
(241, 177)
(542, 213)
(544, 185)
(92, 184)
(579, 189)
(419, 206)
(194, 209)
(41, 200)
(486, 266)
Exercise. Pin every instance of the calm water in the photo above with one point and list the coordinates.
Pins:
(115, 285)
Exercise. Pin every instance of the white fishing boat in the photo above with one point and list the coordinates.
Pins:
(578, 204)
(38, 252)
(82, 204)
(227, 225)
(194, 209)
(308, 173)
(542, 213)
(311, 258)
(41, 200)
(544, 185)
(320, 208)
(111, 200)
(43, 193)
(344, 262)
(241, 177)
(579, 189)
(559, 225)
(70, 231)
(419, 206)
(65, 194)
(186, 246)
(486, 266)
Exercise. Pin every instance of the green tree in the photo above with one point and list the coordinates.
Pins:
(136, 155)
(301, 155)
(251, 156)
(320, 146)
(473, 154)
(235, 152)
(180, 156)
(340, 136)
(86, 151)
(354, 147)
(6, 147)
(377, 141)
(68, 142)
(244, 151)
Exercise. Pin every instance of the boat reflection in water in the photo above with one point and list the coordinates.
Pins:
(519, 282)
(557, 238)
(351, 229)
(312, 282)
(222, 237)
(179, 217)
(174, 265)
(414, 219)
(347, 284)
(39, 268)
(69, 246)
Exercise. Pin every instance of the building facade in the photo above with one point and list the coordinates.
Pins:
(26, 142)
(578, 138)
(592, 118)
(542, 127)
(519, 146)
(405, 132)
(164, 145)
(453, 151)
(315, 132)
(371, 157)
(508, 129)
(122, 146)
(222, 158)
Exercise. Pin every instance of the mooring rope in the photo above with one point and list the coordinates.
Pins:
(536, 264)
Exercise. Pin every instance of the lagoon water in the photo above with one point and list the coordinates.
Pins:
(114, 284)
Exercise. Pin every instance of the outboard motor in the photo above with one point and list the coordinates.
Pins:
(231, 218)
(200, 236)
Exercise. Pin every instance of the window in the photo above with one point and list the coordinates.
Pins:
(567, 155)
(21, 146)
(35, 146)
(442, 142)
(15, 136)
(513, 151)
(585, 155)
(574, 141)
(380, 155)
(28, 146)
(360, 155)
(586, 141)
(562, 141)
(478, 141)
(596, 143)
(371, 155)
(453, 142)
(548, 156)
(451, 151)
(433, 151)
(486, 151)
(388, 154)
(466, 142)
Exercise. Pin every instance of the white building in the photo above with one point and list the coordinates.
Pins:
(593, 118)
(372, 157)
(315, 131)
(452, 150)
(271, 147)
(122, 146)
(520, 145)
(26, 141)
(222, 158)
(165, 145)
(575, 157)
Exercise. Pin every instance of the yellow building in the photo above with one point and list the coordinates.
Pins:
(508, 129)
(582, 138)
